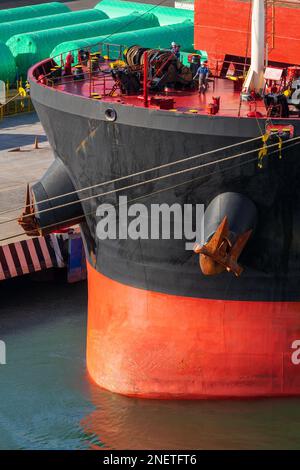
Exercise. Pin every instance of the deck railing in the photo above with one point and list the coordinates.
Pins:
(110, 52)
(230, 69)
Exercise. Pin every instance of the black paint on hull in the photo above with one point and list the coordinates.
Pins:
(95, 150)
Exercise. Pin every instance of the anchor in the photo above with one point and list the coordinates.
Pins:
(27, 220)
(222, 251)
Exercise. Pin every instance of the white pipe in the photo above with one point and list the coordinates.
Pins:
(258, 44)
(255, 77)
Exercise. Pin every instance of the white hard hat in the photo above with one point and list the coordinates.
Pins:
(173, 43)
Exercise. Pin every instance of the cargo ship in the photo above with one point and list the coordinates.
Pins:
(222, 320)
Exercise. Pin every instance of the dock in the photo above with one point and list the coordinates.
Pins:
(25, 155)
(20, 164)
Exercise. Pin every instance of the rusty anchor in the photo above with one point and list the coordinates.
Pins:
(222, 251)
(27, 220)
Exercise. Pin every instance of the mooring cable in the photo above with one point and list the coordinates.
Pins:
(152, 180)
(139, 173)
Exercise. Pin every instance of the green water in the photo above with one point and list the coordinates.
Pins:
(48, 402)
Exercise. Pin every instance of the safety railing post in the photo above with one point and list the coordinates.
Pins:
(145, 91)
(90, 84)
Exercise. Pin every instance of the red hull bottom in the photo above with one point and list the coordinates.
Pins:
(151, 345)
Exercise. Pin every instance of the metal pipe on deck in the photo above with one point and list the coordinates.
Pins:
(255, 77)
(258, 43)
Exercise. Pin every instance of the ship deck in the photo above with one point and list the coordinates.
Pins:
(185, 101)
(99, 86)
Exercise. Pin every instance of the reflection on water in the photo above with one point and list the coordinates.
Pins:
(48, 402)
(126, 423)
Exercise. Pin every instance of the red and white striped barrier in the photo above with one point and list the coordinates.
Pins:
(32, 255)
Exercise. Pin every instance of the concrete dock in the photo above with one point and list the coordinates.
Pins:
(20, 164)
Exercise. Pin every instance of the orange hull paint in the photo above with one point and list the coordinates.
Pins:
(153, 345)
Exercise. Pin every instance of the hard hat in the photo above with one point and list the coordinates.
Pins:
(173, 43)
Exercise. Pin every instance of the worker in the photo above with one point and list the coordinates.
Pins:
(202, 73)
(68, 64)
(175, 48)
(272, 87)
(27, 87)
(83, 57)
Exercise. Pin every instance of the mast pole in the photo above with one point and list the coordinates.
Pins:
(258, 43)
(255, 78)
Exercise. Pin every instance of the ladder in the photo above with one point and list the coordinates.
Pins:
(270, 7)
(116, 86)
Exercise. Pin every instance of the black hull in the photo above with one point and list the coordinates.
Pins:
(95, 150)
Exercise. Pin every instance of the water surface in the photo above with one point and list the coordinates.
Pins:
(47, 400)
